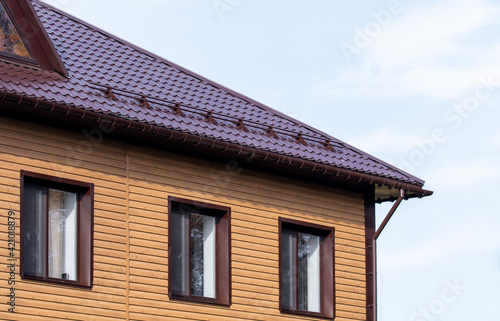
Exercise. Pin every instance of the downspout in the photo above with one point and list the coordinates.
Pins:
(374, 250)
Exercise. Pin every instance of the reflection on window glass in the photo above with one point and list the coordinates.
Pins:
(180, 255)
(300, 260)
(34, 223)
(203, 255)
(10, 41)
(288, 270)
(193, 254)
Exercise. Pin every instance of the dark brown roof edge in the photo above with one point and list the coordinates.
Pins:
(357, 178)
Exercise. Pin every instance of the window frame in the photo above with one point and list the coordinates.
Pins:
(327, 266)
(85, 227)
(29, 60)
(222, 252)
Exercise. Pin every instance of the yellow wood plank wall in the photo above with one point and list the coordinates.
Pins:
(132, 185)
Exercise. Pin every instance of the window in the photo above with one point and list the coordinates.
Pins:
(11, 42)
(306, 269)
(56, 228)
(199, 251)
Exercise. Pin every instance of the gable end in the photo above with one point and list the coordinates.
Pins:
(35, 37)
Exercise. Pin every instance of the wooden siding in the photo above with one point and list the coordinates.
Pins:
(132, 185)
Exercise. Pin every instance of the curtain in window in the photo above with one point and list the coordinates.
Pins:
(62, 235)
(309, 273)
(49, 238)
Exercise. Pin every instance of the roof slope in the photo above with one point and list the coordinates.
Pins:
(110, 76)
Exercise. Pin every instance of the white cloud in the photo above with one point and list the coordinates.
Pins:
(383, 140)
(426, 50)
(493, 142)
(469, 238)
(464, 176)
(431, 31)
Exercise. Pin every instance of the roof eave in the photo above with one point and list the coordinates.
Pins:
(385, 187)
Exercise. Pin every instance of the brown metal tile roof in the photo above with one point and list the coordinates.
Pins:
(113, 77)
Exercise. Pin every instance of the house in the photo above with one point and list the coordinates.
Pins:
(134, 189)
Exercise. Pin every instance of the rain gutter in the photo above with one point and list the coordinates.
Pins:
(413, 190)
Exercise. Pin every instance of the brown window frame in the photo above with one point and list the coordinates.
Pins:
(327, 263)
(222, 252)
(9, 56)
(85, 227)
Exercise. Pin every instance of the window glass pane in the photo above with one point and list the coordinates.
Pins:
(202, 255)
(196, 255)
(34, 230)
(209, 257)
(10, 41)
(302, 240)
(308, 272)
(288, 269)
(62, 234)
(179, 253)
(313, 274)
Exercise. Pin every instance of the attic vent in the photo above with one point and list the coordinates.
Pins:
(10, 40)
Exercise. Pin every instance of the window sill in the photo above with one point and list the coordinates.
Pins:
(46, 280)
(305, 313)
(203, 300)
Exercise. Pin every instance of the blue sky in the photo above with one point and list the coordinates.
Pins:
(416, 83)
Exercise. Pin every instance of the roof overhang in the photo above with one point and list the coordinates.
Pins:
(58, 115)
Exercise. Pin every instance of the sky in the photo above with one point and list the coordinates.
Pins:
(415, 83)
